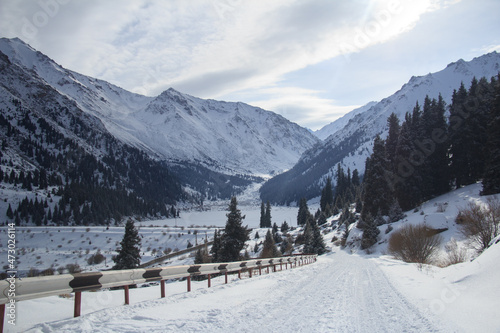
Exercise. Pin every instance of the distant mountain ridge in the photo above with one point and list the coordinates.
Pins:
(233, 138)
(350, 142)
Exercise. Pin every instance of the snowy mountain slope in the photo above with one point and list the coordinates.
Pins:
(340, 123)
(232, 137)
(352, 144)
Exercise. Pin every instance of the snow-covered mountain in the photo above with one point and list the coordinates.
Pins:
(351, 138)
(229, 137)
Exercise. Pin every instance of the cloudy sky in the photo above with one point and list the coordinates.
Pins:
(309, 60)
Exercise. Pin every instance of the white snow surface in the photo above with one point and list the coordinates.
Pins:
(344, 291)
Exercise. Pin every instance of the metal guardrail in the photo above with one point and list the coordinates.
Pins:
(20, 289)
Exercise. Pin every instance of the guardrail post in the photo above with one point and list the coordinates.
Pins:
(225, 273)
(189, 283)
(127, 299)
(209, 284)
(250, 272)
(260, 270)
(162, 288)
(78, 304)
(239, 274)
(2, 316)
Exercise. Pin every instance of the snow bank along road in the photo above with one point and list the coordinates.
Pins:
(339, 293)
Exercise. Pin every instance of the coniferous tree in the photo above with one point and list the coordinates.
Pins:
(370, 232)
(392, 140)
(10, 213)
(434, 146)
(269, 249)
(326, 196)
(215, 250)
(262, 223)
(129, 255)
(378, 194)
(407, 178)
(491, 180)
(303, 213)
(460, 137)
(235, 234)
(268, 215)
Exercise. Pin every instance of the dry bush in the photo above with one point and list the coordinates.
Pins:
(455, 255)
(480, 224)
(417, 244)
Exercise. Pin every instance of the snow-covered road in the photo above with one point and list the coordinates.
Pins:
(339, 293)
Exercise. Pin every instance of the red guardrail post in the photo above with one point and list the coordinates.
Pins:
(78, 303)
(2, 316)
(127, 299)
(189, 283)
(162, 288)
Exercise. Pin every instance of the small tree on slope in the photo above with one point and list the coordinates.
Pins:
(129, 255)
(235, 234)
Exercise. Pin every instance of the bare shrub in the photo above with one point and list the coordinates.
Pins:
(480, 224)
(96, 258)
(417, 244)
(73, 268)
(455, 255)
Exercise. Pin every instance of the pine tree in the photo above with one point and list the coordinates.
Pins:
(303, 213)
(10, 213)
(313, 240)
(262, 223)
(392, 140)
(370, 232)
(407, 177)
(129, 255)
(378, 194)
(326, 196)
(491, 180)
(215, 250)
(269, 250)
(268, 215)
(460, 137)
(235, 234)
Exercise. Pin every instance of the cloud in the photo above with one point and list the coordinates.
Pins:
(303, 106)
(213, 48)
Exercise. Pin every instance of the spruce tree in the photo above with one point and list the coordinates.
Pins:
(370, 232)
(491, 180)
(129, 253)
(326, 196)
(269, 249)
(268, 215)
(215, 250)
(392, 140)
(303, 213)
(235, 234)
(378, 194)
(262, 223)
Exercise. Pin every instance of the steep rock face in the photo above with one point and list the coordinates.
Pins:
(351, 138)
(227, 137)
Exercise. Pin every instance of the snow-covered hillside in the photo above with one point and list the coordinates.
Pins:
(233, 137)
(352, 138)
(347, 290)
